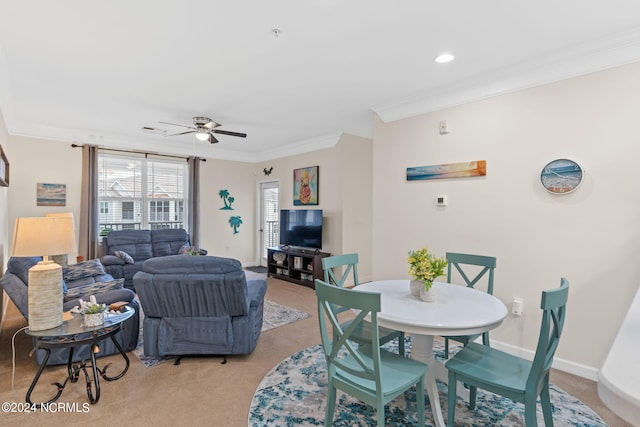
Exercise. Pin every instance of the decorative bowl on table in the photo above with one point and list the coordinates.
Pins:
(279, 257)
(92, 312)
(92, 319)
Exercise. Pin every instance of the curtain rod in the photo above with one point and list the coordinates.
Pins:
(139, 152)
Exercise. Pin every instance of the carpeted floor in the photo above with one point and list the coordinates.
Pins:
(294, 393)
(274, 316)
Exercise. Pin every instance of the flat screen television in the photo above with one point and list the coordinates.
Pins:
(301, 228)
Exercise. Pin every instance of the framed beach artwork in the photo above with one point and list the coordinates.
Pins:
(4, 169)
(305, 186)
(51, 194)
(447, 170)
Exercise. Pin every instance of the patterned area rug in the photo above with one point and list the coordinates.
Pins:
(295, 392)
(275, 315)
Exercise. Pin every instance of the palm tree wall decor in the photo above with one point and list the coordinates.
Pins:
(235, 222)
(227, 199)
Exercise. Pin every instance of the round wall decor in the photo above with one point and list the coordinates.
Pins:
(561, 176)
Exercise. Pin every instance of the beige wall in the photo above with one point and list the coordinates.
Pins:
(345, 172)
(4, 191)
(356, 172)
(45, 161)
(216, 234)
(590, 236)
(5, 241)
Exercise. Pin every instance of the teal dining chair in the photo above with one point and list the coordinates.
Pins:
(464, 265)
(510, 376)
(369, 373)
(348, 264)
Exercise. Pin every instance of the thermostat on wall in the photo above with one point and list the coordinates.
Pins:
(441, 200)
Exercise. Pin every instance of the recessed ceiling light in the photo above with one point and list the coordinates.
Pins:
(444, 58)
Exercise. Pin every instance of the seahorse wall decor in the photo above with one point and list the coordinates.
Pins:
(227, 199)
(235, 222)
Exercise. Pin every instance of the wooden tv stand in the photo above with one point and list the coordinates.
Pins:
(297, 265)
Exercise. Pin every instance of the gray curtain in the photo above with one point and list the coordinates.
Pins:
(89, 203)
(194, 200)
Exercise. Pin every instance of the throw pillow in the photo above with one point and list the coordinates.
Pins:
(20, 266)
(191, 250)
(92, 267)
(111, 260)
(93, 289)
(124, 256)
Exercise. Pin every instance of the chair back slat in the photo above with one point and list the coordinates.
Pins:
(338, 347)
(553, 304)
(458, 260)
(349, 263)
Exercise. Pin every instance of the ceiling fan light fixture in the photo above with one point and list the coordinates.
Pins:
(202, 134)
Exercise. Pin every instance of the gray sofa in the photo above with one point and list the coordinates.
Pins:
(199, 305)
(80, 280)
(140, 245)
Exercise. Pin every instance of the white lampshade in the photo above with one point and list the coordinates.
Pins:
(44, 236)
(62, 259)
(60, 215)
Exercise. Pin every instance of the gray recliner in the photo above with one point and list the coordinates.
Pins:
(199, 305)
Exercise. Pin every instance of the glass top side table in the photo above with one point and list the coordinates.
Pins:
(71, 334)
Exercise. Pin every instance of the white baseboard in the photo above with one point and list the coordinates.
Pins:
(573, 368)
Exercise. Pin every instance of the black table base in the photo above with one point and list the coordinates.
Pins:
(74, 369)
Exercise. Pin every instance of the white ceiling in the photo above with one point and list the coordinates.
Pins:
(90, 71)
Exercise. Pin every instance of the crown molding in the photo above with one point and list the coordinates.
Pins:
(306, 146)
(170, 146)
(586, 58)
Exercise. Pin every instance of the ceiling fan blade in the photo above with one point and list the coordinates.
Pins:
(226, 132)
(213, 139)
(181, 133)
(175, 124)
(211, 125)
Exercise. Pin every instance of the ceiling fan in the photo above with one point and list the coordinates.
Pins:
(204, 128)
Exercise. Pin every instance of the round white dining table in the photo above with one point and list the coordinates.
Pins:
(458, 310)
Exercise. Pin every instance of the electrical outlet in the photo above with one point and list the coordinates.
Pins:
(516, 306)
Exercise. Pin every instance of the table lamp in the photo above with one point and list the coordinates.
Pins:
(44, 236)
(61, 259)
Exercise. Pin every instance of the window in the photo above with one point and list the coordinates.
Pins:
(127, 211)
(159, 211)
(137, 192)
(179, 211)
